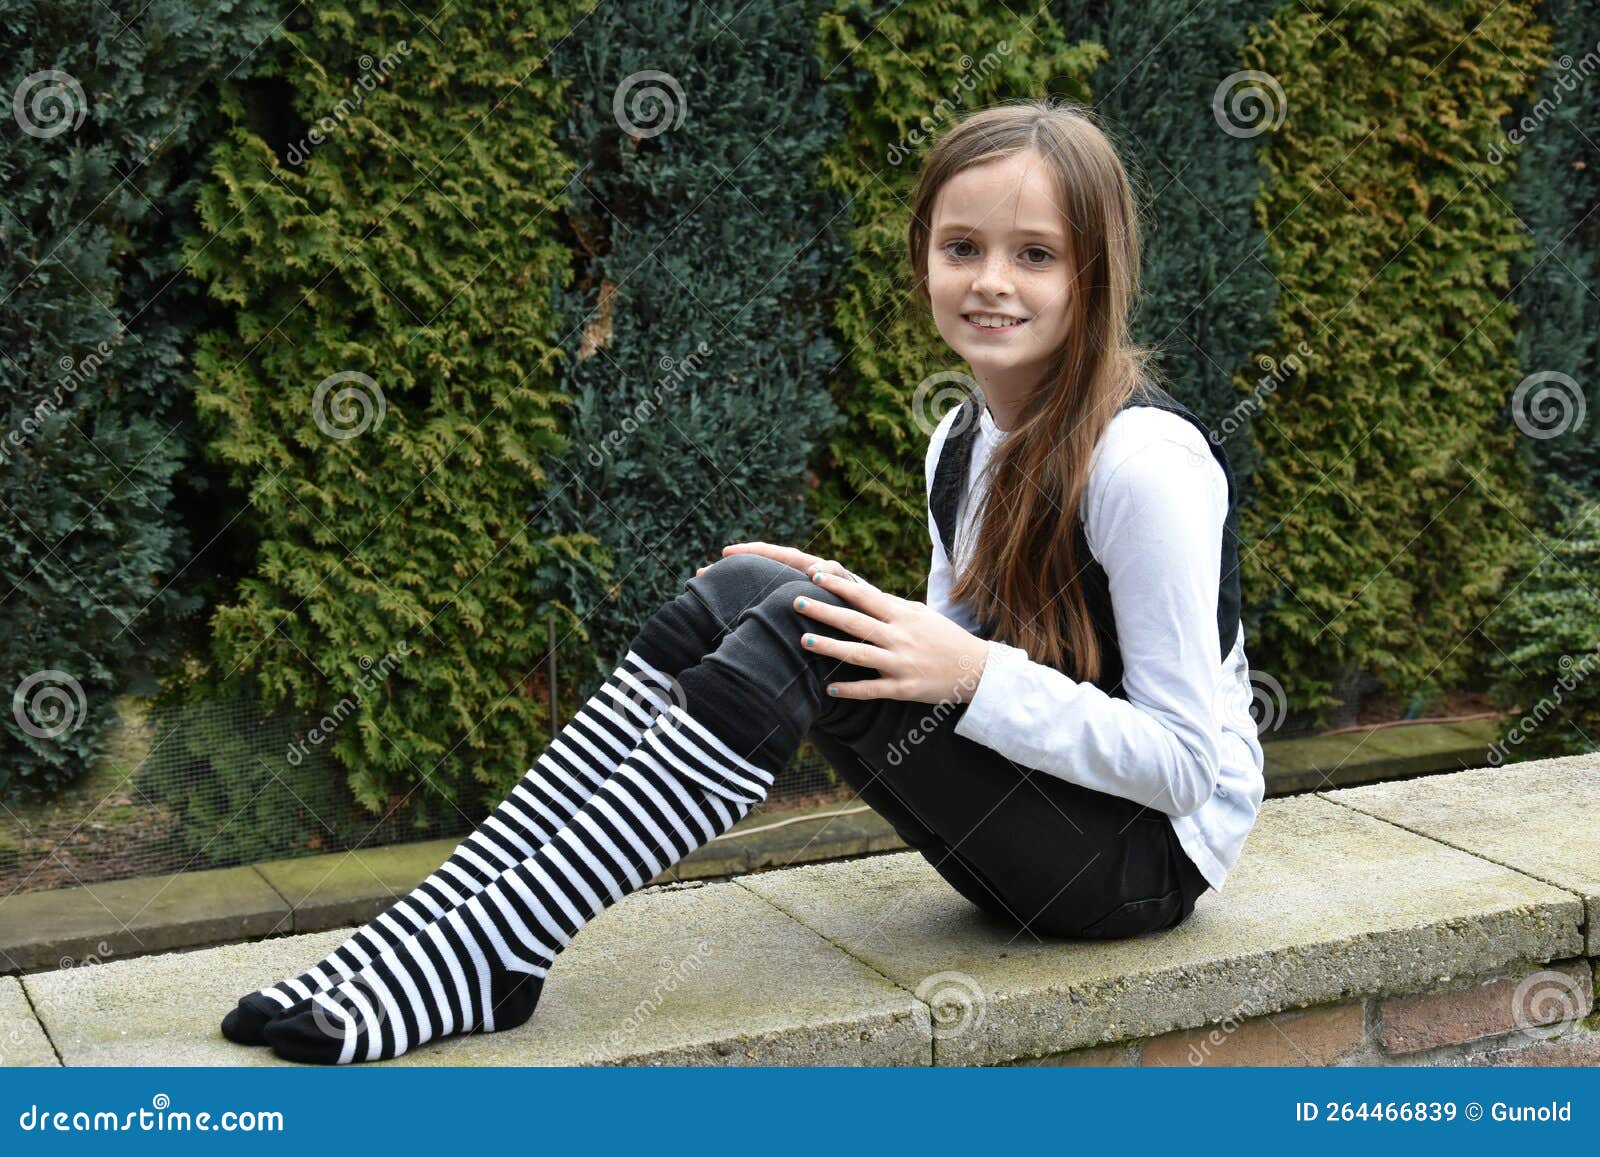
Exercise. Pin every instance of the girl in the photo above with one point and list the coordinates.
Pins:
(1087, 767)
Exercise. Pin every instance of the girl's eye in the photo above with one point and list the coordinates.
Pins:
(1044, 254)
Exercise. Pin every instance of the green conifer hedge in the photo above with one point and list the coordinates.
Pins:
(103, 504)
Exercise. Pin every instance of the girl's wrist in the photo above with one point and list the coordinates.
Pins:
(973, 663)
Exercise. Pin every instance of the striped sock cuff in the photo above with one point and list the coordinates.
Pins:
(694, 749)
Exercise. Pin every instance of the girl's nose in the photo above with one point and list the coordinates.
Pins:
(994, 277)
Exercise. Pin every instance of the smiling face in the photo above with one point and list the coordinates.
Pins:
(997, 255)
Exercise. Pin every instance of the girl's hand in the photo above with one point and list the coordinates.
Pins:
(798, 559)
(922, 655)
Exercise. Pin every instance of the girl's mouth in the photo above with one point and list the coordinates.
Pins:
(1016, 323)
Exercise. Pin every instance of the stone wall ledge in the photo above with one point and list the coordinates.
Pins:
(1444, 920)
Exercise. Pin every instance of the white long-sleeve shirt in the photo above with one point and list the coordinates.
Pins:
(1183, 742)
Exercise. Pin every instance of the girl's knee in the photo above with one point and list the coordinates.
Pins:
(756, 580)
(749, 575)
(736, 582)
(782, 598)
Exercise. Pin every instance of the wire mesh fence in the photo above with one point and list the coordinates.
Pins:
(209, 785)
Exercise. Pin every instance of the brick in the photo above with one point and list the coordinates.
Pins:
(1583, 1050)
(1317, 1036)
(1548, 995)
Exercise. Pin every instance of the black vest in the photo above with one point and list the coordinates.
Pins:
(950, 481)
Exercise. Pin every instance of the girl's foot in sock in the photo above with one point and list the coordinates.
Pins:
(481, 968)
(436, 983)
(582, 756)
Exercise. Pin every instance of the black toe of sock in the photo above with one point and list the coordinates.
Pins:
(298, 1035)
(245, 1024)
(302, 1032)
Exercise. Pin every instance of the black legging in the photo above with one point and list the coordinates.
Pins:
(1035, 851)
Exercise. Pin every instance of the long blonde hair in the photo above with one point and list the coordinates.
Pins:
(1022, 574)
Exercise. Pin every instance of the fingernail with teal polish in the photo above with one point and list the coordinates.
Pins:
(801, 603)
(833, 690)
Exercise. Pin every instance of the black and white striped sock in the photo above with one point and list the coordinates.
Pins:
(481, 967)
(581, 757)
